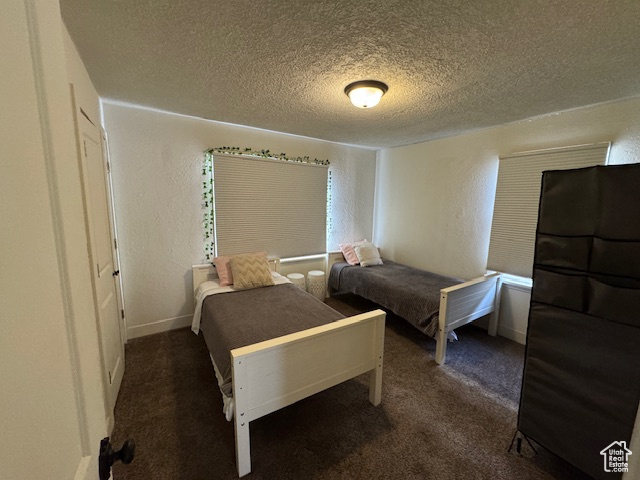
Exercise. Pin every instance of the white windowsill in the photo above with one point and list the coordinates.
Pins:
(318, 256)
(515, 282)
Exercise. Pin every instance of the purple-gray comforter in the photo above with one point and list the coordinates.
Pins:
(237, 319)
(408, 292)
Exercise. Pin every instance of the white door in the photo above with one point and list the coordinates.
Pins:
(96, 193)
(114, 235)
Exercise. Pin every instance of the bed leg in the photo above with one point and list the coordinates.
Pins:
(375, 386)
(375, 376)
(493, 324)
(441, 347)
(493, 318)
(243, 445)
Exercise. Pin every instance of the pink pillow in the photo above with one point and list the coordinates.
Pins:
(223, 267)
(349, 253)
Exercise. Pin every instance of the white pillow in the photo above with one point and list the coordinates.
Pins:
(368, 254)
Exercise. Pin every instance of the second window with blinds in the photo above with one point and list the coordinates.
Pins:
(515, 211)
(269, 205)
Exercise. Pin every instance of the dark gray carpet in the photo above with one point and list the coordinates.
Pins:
(435, 422)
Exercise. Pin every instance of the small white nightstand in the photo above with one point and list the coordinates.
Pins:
(297, 279)
(316, 285)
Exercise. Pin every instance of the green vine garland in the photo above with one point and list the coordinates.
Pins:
(329, 205)
(266, 154)
(207, 197)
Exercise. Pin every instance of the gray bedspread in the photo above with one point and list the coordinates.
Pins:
(237, 319)
(408, 292)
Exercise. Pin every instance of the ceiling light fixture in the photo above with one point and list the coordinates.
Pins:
(365, 93)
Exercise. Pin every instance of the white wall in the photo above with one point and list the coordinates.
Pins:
(157, 164)
(52, 413)
(434, 200)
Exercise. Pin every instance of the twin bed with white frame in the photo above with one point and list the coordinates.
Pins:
(459, 304)
(273, 374)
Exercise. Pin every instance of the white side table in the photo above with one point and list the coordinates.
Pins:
(297, 279)
(316, 284)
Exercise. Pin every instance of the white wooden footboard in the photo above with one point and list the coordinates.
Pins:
(464, 303)
(270, 375)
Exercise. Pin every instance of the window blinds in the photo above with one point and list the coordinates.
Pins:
(515, 211)
(272, 205)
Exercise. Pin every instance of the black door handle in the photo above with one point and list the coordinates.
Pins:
(108, 456)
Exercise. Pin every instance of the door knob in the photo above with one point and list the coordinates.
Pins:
(108, 456)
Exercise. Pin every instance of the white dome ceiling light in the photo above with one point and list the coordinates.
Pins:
(366, 93)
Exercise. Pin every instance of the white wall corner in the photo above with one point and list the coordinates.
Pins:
(374, 221)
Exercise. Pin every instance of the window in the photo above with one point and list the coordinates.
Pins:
(272, 205)
(515, 211)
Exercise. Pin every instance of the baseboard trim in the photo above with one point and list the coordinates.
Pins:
(84, 472)
(111, 422)
(511, 334)
(159, 326)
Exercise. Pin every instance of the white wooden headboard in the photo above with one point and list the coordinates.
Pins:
(206, 271)
(202, 273)
(334, 257)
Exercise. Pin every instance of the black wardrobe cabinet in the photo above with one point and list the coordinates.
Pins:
(581, 381)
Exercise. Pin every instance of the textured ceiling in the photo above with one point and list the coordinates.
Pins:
(451, 65)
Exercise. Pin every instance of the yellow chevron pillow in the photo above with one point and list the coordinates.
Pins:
(251, 271)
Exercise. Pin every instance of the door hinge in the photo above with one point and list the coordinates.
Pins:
(108, 167)
(115, 243)
(84, 144)
(122, 313)
(110, 381)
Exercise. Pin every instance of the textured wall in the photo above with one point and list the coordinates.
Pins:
(156, 163)
(434, 200)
